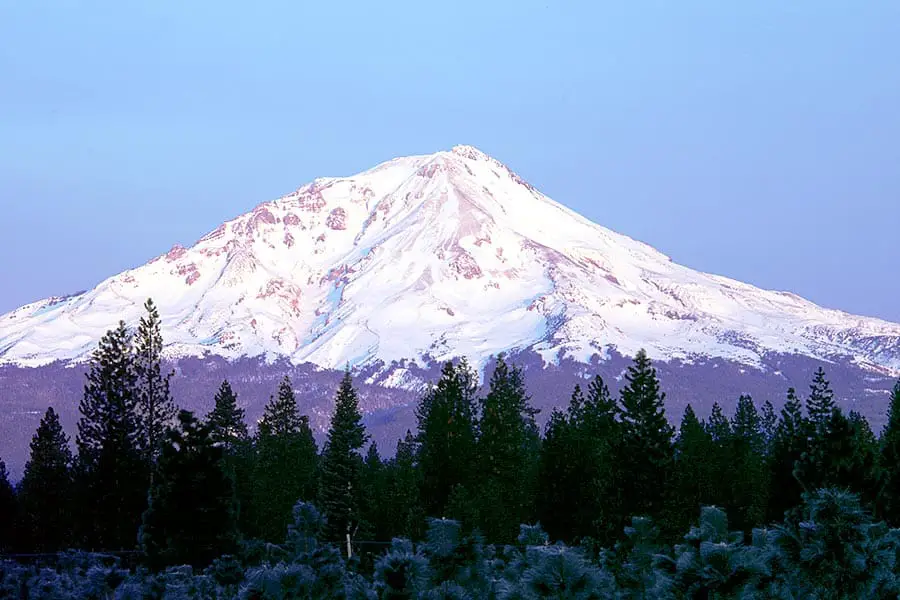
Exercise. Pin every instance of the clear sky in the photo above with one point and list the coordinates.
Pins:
(756, 139)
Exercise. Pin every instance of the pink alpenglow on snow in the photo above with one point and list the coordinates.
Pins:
(443, 255)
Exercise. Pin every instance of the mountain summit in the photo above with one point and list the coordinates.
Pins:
(444, 255)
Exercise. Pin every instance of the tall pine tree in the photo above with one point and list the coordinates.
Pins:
(446, 437)
(46, 490)
(578, 484)
(694, 483)
(112, 476)
(226, 420)
(889, 501)
(339, 482)
(191, 516)
(648, 455)
(285, 466)
(508, 453)
(749, 475)
(154, 401)
(790, 443)
(8, 511)
(820, 402)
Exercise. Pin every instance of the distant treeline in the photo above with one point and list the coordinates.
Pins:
(185, 490)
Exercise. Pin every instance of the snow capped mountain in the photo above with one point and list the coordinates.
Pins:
(445, 255)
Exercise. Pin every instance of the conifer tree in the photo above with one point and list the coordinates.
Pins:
(557, 491)
(404, 482)
(46, 492)
(111, 473)
(843, 455)
(8, 511)
(375, 523)
(154, 401)
(769, 423)
(446, 436)
(285, 464)
(191, 516)
(749, 485)
(718, 462)
(820, 402)
(889, 501)
(718, 426)
(693, 486)
(790, 443)
(226, 420)
(339, 482)
(579, 474)
(508, 446)
(647, 439)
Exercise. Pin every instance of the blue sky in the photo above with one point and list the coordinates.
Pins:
(758, 140)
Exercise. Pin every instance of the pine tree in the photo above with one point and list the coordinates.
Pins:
(191, 516)
(557, 492)
(8, 511)
(375, 523)
(507, 447)
(446, 436)
(843, 455)
(889, 500)
(339, 483)
(769, 423)
(719, 427)
(226, 420)
(111, 474)
(749, 491)
(46, 492)
(404, 482)
(790, 443)
(820, 402)
(155, 404)
(718, 462)
(578, 482)
(693, 486)
(285, 466)
(647, 439)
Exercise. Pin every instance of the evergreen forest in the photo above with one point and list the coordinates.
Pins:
(608, 500)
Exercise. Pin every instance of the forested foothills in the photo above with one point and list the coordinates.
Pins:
(608, 500)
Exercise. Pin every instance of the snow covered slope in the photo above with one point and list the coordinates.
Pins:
(445, 255)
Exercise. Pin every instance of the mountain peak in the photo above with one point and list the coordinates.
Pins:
(470, 152)
(441, 256)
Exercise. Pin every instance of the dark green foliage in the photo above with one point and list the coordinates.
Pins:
(820, 402)
(889, 500)
(769, 424)
(710, 561)
(647, 454)
(339, 482)
(226, 420)
(561, 573)
(8, 511)
(456, 557)
(191, 516)
(285, 465)
(790, 443)
(154, 401)
(112, 475)
(579, 474)
(507, 454)
(694, 483)
(446, 437)
(749, 472)
(45, 492)
(401, 573)
(835, 550)
(843, 454)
